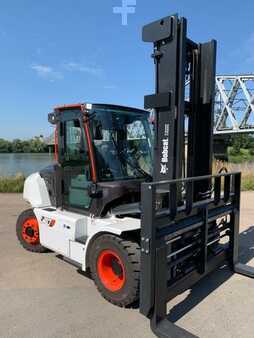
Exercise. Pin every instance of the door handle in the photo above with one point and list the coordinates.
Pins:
(66, 226)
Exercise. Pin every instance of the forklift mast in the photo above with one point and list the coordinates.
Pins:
(190, 219)
(184, 99)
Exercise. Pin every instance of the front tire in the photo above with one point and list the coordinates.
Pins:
(27, 230)
(115, 268)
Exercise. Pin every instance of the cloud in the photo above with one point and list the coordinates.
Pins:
(77, 67)
(42, 70)
(47, 72)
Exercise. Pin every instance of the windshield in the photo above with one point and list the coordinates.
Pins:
(123, 144)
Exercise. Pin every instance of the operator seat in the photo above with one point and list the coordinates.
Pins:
(107, 159)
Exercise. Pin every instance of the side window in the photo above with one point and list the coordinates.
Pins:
(74, 144)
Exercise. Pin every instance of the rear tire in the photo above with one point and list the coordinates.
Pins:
(27, 230)
(115, 269)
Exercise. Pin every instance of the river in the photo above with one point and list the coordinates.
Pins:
(26, 164)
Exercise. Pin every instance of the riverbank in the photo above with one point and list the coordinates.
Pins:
(12, 184)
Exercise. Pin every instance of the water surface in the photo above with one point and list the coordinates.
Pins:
(26, 164)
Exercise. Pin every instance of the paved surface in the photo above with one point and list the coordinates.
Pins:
(42, 296)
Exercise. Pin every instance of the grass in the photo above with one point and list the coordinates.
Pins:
(247, 170)
(243, 156)
(15, 184)
(12, 184)
(247, 178)
(248, 183)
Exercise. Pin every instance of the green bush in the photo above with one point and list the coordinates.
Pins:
(244, 155)
(232, 152)
(13, 184)
(239, 141)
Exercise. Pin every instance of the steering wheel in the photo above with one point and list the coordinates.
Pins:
(135, 154)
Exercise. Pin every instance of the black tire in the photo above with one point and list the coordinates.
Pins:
(129, 253)
(24, 217)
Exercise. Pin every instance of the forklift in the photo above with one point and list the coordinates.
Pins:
(138, 206)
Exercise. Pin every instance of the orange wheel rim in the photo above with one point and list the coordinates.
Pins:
(30, 231)
(111, 270)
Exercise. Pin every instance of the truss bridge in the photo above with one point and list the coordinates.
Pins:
(234, 104)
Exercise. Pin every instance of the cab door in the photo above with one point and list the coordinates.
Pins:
(75, 166)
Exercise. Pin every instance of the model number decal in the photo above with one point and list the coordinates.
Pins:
(48, 221)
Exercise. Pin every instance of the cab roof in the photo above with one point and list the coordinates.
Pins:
(98, 105)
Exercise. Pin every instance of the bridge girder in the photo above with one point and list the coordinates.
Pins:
(234, 104)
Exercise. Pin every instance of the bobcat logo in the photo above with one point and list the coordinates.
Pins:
(164, 169)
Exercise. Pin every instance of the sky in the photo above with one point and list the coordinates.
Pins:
(69, 51)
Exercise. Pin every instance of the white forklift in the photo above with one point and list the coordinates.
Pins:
(86, 206)
(129, 203)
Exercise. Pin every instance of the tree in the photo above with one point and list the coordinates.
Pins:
(35, 145)
(5, 146)
(17, 146)
(38, 146)
(26, 147)
(242, 141)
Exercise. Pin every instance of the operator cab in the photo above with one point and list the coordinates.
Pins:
(103, 154)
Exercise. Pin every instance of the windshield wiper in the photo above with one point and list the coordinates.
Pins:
(133, 166)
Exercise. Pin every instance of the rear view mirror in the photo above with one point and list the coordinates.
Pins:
(53, 118)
